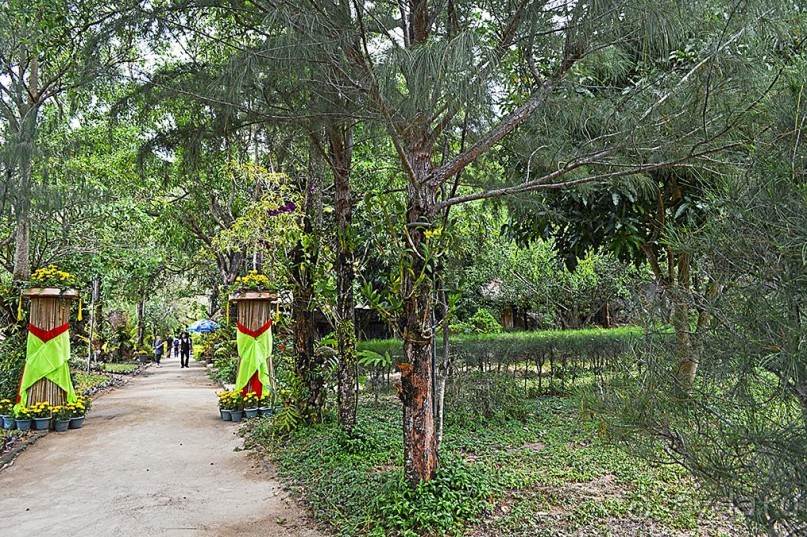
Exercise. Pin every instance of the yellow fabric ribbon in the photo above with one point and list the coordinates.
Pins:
(80, 317)
(19, 309)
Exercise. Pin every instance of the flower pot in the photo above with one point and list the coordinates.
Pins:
(77, 422)
(225, 415)
(23, 425)
(250, 413)
(9, 423)
(237, 415)
(40, 424)
(265, 411)
(61, 426)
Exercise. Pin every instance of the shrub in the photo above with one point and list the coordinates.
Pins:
(225, 370)
(456, 495)
(482, 322)
(12, 358)
(474, 397)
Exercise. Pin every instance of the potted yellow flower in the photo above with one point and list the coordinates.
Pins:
(61, 417)
(41, 415)
(231, 405)
(51, 277)
(251, 405)
(236, 406)
(79, 411)
(22, 418)
(224, 405)
(7, 413)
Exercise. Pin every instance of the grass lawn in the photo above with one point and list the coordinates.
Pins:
(550, 474)
(120, 369)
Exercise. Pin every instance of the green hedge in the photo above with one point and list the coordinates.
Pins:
(524, 345)
(560, 355)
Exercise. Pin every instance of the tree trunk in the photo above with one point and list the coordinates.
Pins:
(141, 321)
(687, 359)
(417, 376)
(444, 367)
(341, 155)
(304, 258)
(24, 149)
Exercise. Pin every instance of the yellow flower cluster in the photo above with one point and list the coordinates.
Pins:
(40, 410)
(51, 276)
(231, 400)
(252, 280)
(63, 412)
(251, 400)
(6, 406)
(83, 404)
(76, 409)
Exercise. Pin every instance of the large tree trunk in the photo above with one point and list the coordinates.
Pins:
(341, 155)
(417, 376)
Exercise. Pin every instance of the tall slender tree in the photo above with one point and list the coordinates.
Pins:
(48, 50)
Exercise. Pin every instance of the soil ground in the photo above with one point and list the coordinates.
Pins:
(153, 459)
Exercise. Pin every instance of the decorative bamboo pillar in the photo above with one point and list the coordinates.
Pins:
(49, 317)
(254, 341)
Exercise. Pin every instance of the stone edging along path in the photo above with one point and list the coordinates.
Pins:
(153, 458)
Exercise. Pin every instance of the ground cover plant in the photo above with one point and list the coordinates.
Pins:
(547, 474)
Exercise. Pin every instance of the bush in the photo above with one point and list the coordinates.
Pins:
(456, 495)
(225, 370)
(12, 358)
(482, 322)
(474, 397)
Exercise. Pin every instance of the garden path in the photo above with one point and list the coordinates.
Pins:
(153, 459)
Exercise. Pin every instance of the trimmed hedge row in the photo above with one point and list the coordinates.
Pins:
(560, 355)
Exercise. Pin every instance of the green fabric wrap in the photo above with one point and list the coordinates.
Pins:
(47, 359)
(253, 350)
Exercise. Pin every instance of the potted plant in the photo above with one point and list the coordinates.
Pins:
(79, 411)
(22, 418)
(51, 277)
(7, 413)
(61, 417)
(41, 415)
(251, 404)
(265, 405)
(224, 405)
(253, 281)
(236, 406)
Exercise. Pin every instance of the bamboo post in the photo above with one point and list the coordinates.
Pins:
(49, 309)
(254, 311)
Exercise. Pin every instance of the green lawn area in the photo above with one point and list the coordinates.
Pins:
(120, 369)
(550, 474)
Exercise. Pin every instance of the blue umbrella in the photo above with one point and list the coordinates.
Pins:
(205, 325)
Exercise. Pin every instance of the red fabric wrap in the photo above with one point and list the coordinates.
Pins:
(47, 335)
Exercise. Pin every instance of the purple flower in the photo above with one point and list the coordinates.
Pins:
(272, 212)
(312, 188)
(291, 206)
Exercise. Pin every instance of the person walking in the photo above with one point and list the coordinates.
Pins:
(159, 349)
(176, 347)
(169, 345)
(185, 347)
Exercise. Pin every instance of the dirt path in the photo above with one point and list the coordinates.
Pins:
(153, 459)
